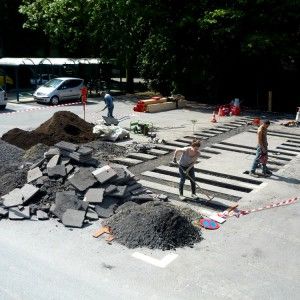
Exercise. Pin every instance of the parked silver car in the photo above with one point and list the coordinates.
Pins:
(3, 98)
(59, 89)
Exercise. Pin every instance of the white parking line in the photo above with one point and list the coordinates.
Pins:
(161, 263)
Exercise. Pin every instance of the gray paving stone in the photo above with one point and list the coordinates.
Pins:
(107, 207)
(92, 215)
(67, 146)
(85, 150)
(83, 179)
(41, 180)
(17, 214)
(80, 158)
(28, 191)
(67, 200)
(41, 215)
(123, 176)
(127, 161)
(157, 152)
(14, 198)
(37, 164)
(53, 161)
(51, 152)
(94, 195)
(3, 212)
(34, 174)
(73, 218)
(162, 197)
(141, 156)
(69, 169)
(120, 192)
(57, 171)
(109, 189)
(104, 173)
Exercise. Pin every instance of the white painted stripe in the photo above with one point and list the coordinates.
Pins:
(161, 263)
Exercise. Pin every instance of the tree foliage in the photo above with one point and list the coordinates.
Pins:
(211, 47)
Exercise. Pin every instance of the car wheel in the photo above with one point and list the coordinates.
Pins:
(2, 107)
(54, 100)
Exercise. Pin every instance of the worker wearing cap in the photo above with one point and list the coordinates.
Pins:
(189, 156)
(261, 151)
(109, 104)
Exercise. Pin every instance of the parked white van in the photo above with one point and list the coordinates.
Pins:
(59, 89)
(3, 99)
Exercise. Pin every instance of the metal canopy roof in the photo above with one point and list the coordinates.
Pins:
(28, 61)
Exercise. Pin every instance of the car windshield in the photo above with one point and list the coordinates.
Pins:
(53, 83)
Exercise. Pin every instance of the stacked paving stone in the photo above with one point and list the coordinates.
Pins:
(71, 185)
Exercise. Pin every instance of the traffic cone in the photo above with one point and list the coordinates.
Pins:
(213, 119)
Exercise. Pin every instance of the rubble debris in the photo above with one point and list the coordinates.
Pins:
(41, 215)
(83, 179)
(3, 212)
(18, 214)
(73, 218)
(91, 215)
(156, 225)
(105, 173)
(34, 174)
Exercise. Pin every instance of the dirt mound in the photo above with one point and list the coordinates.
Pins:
(62, 126)
(155, 225)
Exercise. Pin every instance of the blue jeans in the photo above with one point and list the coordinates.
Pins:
(183, 176)
(110, 111)
(256, 161)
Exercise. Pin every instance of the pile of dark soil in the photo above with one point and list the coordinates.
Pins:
(62, 126)
(155, 225)
(11, 175)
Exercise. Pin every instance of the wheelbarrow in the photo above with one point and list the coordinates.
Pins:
(113, 121)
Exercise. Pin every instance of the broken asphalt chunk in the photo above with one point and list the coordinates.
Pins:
(28, 191)
(83, 179)
(17, 214)
(53, 161)
(104, 173)
(14, 198)
(51, 152)
(94, 195)
(92, 215)
(3, 212)
(73, 218)
(41, 215)
(57, 171)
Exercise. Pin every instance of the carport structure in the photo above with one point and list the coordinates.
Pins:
(36, 64)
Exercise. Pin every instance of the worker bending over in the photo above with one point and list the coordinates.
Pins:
(188, 158)
(109, 104)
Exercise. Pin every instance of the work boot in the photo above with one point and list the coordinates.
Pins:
(253, 174)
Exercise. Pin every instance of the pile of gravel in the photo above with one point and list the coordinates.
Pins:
(155, 225)
(10, 154)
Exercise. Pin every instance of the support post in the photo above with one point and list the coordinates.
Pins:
(270, 101)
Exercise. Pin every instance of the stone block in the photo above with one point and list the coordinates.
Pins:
(104, 174)
(67, 200)
(73, 218)
(67, 146)
(94, 195)
(122, 177)
(14, 198)
(133, 187)
(92, 215)
(120, 192)
(37, 164)
(28, 191)
(69, 169)
(107, 207)
(53, 161)
(83, 179)
(17, 214)
(41, 215)
(85, 151)
(109, 189)
(51, 152)
(34, 174)
(57, 171)
(3, 212)
(80, 158)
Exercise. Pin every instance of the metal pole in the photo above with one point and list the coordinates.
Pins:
(270, 101)
(17, 83)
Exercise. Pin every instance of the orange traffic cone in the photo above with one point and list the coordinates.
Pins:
(213, 119)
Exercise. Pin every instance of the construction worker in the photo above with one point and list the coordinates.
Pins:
(109, 104)
(188, 158)
(261, 151)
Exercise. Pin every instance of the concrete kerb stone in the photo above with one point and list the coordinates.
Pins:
(34, 174)
(73, 218)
